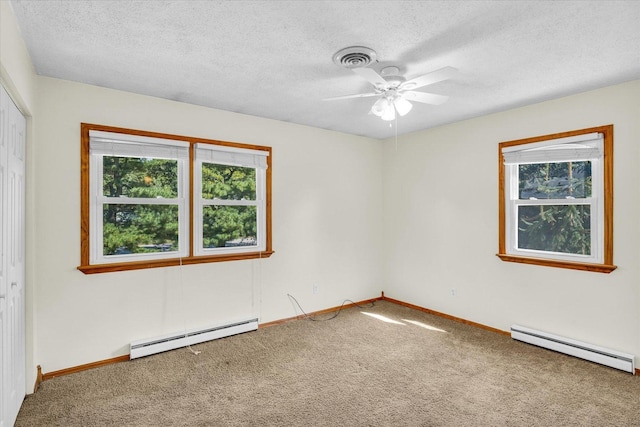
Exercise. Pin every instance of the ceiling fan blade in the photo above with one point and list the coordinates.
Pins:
(358, 95)
(431, 78)
(426, 98)
(370, 75)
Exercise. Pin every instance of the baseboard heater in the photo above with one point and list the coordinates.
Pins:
(147, 347)
(593, 353)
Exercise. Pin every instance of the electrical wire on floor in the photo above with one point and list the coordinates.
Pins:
(313, 318)
(184, 316)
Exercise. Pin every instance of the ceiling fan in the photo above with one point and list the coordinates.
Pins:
(394, 92)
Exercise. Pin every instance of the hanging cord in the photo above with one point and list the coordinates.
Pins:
(184, 312)
(396, 133)
(307, 316)
(253, 287)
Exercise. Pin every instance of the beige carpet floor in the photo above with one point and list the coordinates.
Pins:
(385, 365)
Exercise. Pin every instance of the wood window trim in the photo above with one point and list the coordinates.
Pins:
(607, 266)
(88, 268)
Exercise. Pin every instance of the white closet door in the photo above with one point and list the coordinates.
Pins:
(12, 268)
(4, 132)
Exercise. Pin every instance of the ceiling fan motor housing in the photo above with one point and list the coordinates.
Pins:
(354, 57)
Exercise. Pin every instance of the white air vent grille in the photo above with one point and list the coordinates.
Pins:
(354, 57)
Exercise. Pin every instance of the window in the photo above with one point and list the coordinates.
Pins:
(229, 200)
(139, 193)
(556, 204)
(151, 200)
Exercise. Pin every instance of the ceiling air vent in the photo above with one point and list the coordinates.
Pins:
(354, 57)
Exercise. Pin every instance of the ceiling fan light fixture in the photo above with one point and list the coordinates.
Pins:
(380, 107)
(393, 90)
(389, 113)
(402, 105)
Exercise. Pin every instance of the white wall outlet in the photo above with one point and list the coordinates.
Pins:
(315, 288)
(453, 292)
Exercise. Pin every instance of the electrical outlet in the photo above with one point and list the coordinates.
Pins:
(453, 292)
(315, 288)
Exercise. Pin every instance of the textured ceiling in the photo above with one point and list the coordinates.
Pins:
(274, 58)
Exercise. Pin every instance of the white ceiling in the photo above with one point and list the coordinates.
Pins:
(274, 58)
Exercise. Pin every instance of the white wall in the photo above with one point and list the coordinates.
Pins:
(441, 225)
(326, 203)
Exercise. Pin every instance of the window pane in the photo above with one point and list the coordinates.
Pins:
(555, 180)
(555, 228)
(227, 226)
(134, 229)
(139, 177)
(228, 182)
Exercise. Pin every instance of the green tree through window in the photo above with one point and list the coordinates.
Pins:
(139, 228)
(557, 227)
(228, 225)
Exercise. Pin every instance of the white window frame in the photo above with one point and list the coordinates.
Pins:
(125, 145)
(233, 156)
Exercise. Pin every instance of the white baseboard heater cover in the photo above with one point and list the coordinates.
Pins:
(147, 347)
(593, 353)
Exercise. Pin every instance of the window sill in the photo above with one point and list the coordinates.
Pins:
(139, 265)
(599, 268)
